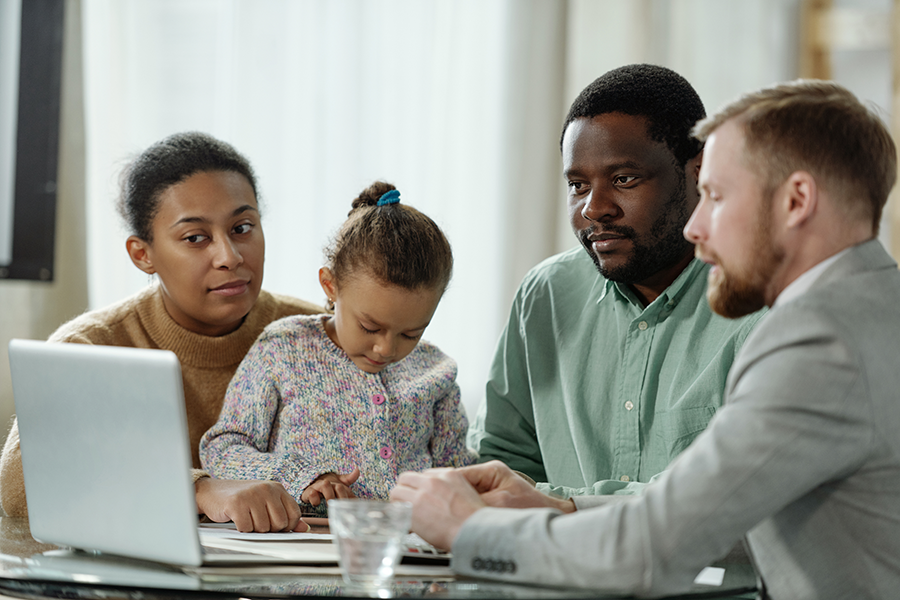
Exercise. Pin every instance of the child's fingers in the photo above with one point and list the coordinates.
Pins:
(278, 516)
(330, 486)
(292, 512)
(260, 515)
(327, 490)
(342, 491)
(311, 496)
(243, 520)
(350, 478)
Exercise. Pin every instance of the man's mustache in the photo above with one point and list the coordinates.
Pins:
(592, 234)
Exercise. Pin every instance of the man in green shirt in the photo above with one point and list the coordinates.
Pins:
(612, 361)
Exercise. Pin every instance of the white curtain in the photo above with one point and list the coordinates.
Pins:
(457, 102)
(324, 97)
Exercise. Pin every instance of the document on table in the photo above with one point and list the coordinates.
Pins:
(228, 531)
(313, 548)
(309, 548)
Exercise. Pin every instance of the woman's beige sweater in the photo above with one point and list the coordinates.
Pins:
(141, 321)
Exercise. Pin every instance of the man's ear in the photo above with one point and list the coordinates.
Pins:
(692, 170)
(799, 197)
(139, 252)
(329, 286)
(698, 160)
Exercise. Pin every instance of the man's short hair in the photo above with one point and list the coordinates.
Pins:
(818, 127)
(665, 98)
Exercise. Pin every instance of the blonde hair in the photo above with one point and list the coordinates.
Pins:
(819, 127)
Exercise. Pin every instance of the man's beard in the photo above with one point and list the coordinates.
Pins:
(738, 292)
(662, 248)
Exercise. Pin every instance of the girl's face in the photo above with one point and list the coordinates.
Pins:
(374, 323)
(208, 250)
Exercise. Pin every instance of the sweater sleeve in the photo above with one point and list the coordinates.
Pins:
(12, 481)
(448, 439)
(238, 445)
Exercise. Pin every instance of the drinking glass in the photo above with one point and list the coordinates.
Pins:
(369, 535)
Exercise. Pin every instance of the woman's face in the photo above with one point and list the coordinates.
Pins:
(208, 250)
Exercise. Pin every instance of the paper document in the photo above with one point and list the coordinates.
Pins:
(228, 531)
(306, 548)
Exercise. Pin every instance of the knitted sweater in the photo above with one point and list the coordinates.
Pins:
(141, 321)
(298, 408)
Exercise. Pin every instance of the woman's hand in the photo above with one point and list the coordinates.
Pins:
(260, 506)
(328, 486)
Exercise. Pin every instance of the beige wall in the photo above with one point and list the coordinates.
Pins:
(34, 309)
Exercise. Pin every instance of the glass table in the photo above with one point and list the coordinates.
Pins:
(30, 569)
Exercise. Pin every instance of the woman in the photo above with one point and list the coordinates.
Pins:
(191, 206)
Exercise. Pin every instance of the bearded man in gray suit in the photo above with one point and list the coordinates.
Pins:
(804, 459)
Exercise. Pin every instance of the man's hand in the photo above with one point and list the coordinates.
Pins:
(498, 485)
(442, 500)
(328, 486)
(261, 506)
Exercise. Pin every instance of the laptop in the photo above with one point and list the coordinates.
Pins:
(106, 457)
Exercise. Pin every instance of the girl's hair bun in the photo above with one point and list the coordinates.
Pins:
(371, 195)
(393, 242)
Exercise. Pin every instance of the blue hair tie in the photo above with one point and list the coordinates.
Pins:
(391, 197)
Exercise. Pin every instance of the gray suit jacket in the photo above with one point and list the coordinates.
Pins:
(804, 459)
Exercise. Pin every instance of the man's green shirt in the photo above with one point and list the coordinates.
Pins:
(594, 393)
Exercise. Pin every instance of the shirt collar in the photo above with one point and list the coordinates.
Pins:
(670, 295)
(801, 285)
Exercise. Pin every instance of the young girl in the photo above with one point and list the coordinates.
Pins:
(338, 405)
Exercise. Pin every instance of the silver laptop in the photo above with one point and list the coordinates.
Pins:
(106, 452)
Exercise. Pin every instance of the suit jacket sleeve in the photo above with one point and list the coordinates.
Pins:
(797, 416)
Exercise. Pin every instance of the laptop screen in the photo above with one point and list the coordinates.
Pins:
(105, 449)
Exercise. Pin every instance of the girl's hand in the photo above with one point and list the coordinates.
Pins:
(328, 486)
(260, 506)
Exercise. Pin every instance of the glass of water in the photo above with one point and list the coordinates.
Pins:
(369, 535)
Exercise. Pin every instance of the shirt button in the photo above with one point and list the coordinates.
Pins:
(624, 478)
(629, 405)
(642, 325)
(386, 452)
(378, 399)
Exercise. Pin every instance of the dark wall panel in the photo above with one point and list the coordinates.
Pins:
(37, 141)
